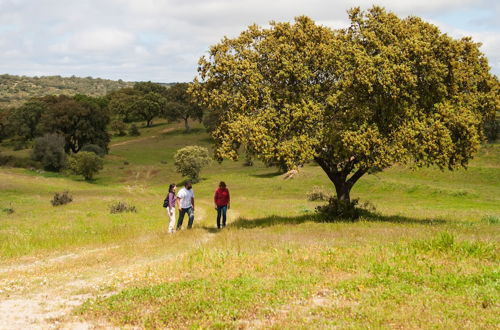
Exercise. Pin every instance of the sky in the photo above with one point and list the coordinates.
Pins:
(162, 40)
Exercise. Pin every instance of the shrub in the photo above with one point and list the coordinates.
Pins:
(8, 210)
(134, 131)
(119, 128)
(99, 151)
(339, 209)
(49, 150)
(61, 198)
(318, 194)
(86, 164)
(190, 160)
(121, 207)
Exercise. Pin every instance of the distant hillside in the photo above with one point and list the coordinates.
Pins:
(14, 90)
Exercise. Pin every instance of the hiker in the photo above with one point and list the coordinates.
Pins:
(186, 197)
(222, 203)
(169, 204)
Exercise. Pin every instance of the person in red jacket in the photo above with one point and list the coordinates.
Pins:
(222, 203)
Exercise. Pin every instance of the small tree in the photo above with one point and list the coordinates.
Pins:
(180, 105)
(49, 150)
(86, 164)
(133, 130)
(190, 160)
(119, 127)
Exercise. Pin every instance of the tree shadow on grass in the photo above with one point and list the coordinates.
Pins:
(274, 220)
(267, 175)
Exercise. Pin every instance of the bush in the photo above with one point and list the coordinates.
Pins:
(86, 164)
(318, 194)
(134, 131)
(190, 160)
(119, 128)
(348, 210)
(49, 150)
(8, 210)
(99, 151)
(61, 198)
(121, 207)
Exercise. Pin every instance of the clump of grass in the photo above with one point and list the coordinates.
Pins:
(491, 219)
(121, 207)
(446, 242)
(318, 194)
(8, 210)
(61, 198)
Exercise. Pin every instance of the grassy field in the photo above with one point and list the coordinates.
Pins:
(426, 258)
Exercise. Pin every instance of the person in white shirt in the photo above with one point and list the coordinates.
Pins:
(186, 197)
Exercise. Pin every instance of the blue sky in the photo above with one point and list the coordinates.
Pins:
(162, 40)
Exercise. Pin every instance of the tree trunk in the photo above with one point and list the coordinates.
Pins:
(149, 122)
(186, 124)
(343, 191)
(340, 180)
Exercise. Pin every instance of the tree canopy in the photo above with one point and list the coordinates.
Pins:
(80, 119)
(384, 90)
(181, 106)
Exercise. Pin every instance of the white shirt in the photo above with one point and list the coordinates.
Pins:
(185, 196)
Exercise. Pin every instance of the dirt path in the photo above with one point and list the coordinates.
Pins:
(166, 130)
(42, 295)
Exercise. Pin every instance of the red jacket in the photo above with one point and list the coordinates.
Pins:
(221, 197)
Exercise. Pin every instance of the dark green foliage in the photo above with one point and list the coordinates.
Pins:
(5, 127)
(148, 106)
(86, 164)
(120, 207)
(61, 198)
(338, 209)
(133, 130)
(49, 150)
(120, 103)
(492, 128)
(24, 120)
(95, 149)
(146, 87)
(13, 161)
(118, 127)
(181, 106)
(80, 119)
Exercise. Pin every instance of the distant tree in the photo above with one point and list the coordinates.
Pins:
(121, 102)
(134, 131)
(180, 105)
(24, 120)
(190, 160)
(86, 164)
(81, 120)
(95, 149)
(148, 107)
(146, 87)
(384, 90)
(49, 150)
(5, 126)
(119, 127)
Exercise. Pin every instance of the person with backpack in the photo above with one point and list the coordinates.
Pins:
(186, 197)
(169, 204)
(222, 203)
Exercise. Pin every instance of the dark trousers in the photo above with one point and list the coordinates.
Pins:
(221, 210)
(190, 213)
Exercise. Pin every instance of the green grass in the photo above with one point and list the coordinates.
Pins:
(426, 258)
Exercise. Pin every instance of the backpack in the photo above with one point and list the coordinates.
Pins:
(165, 202)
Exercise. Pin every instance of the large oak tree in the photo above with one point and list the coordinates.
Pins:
(384, 90)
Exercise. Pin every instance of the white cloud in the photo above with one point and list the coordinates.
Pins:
(161, 40)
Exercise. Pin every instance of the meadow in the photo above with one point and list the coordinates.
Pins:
(426, 257)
